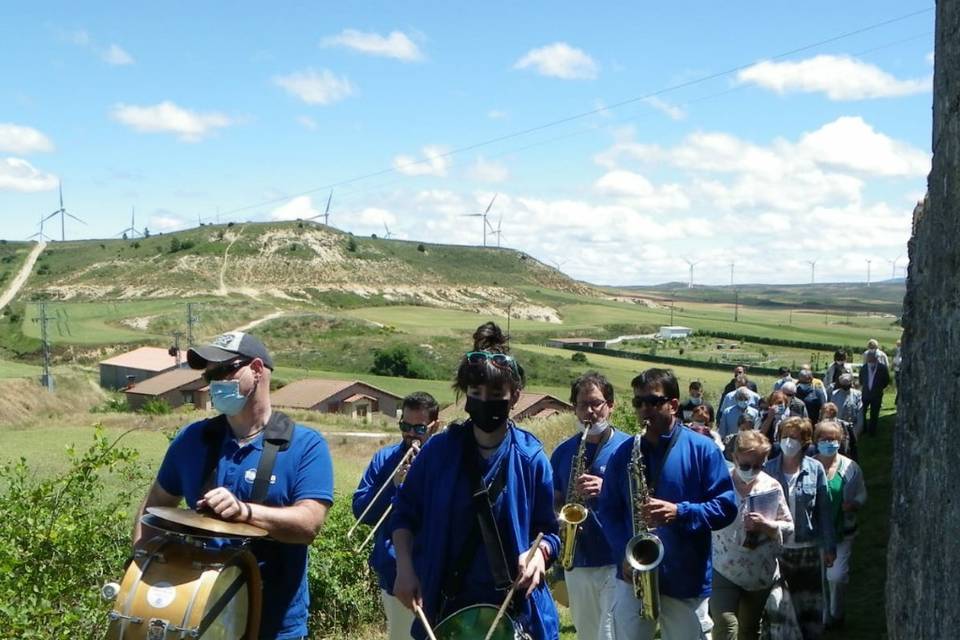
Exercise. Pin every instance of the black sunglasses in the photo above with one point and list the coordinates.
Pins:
(224, 370)
(652, 400)
(418, 429)
(748, 467)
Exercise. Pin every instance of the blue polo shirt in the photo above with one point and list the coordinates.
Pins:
(593, 550)
(303, 471)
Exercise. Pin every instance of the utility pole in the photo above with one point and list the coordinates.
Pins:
(732, 264)
(790, 319)
(509, 314)
(46, 379)
(671, 312)
(736, 305)
(868, 272)
(191, 320)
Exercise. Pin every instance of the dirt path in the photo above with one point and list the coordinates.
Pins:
(259, 321)
(21, 278)
(223, 267)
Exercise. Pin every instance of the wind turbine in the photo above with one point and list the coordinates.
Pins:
(40, 235)
(132, 229)
(893, 266)
(387, 235)
(732, 265)
(326, 212)
(813, 268)
(498, 232)
(483, 215)
(62, 212)
(868, 271)
(692, 265)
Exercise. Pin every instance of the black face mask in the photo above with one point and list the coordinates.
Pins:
(489, 415)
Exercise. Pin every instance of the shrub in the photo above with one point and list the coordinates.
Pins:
(579, 357)
(61, 538)
(351, 244)
(344, 593)
(156, 407)
(421, 248)
(111, 405)
(400, 361)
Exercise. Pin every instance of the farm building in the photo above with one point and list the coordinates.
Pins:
(530, 405)
(177, 387)
(356, 399)
(135, 366)
(671, 332)
(561, 343)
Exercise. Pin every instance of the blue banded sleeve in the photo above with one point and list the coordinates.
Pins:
(373, 478)
(718, 508)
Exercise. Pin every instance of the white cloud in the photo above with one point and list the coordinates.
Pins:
(19, 139)
(929, 58)
(851, 143)
(672, 111)
(636, 190)
(17, 174)
(433, 163)
(307, 122)
(484, 170)
(165, 221)
(116, 56)
(316, 87)
(80, 37)
(394, 45)
(167, 117)
(496, 114)
(299, 208)
(839, 77)
(559, 60)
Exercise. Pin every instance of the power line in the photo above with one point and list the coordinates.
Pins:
(585, 114)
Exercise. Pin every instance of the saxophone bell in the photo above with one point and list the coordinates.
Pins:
(644, 552)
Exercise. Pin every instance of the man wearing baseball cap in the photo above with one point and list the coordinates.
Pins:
(253, 465)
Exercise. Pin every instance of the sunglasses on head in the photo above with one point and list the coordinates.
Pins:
(501, 360)
(225, 370)
(419, 429)
(652, 400)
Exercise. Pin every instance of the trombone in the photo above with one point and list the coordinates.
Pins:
(407, 457)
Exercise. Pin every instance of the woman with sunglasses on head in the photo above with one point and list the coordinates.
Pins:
(384, 475)
(468, 513)
(745, 552)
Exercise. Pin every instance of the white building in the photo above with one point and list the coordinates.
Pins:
(669, 333)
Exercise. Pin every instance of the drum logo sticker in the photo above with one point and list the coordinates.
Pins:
(161, 595)
(251, 474)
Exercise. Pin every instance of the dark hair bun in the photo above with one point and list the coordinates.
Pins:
(489, 337)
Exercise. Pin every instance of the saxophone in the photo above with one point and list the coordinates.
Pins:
(644, 551)
(574, 512)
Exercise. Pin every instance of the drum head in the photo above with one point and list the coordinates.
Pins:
(473, 623)
(228, 607)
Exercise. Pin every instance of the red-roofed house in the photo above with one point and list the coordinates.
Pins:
(354, 398)
(135, 366)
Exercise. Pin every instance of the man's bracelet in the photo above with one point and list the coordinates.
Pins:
(249, 512)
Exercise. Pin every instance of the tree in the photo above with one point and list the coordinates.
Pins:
(146, 232)
(923, 557)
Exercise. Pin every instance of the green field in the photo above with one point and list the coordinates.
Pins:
(9, 369)
(12, 257)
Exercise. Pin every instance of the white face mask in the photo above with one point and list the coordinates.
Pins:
(746, 476)
(790, 446)
(596, 428)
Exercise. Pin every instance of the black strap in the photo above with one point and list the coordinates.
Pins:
(484, 497)
(213, 433)
(276, 438)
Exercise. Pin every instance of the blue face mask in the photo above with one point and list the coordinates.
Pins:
(828, 447)
(743, 403)
(226, 397)
(696, 401)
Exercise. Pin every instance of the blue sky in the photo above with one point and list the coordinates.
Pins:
(183, 109)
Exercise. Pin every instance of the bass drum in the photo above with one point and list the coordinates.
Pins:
(473, 623)
(175, 589)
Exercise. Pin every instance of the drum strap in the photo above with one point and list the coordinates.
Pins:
(484, 497)
(276, 438)
(220, 604)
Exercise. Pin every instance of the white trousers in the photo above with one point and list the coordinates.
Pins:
(591, 594)
(399, 618)
(687, 619)
(838, 576)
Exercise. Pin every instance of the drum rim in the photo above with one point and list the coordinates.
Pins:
(505, 618)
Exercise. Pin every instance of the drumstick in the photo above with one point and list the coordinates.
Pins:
(506, 601)
(423, 621)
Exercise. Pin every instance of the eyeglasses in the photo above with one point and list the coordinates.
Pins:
(419, 429)
(500, 360)
(652, 400)
(223, 371)
(749, 467)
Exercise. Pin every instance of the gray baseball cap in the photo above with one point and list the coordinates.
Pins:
(226, 347)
